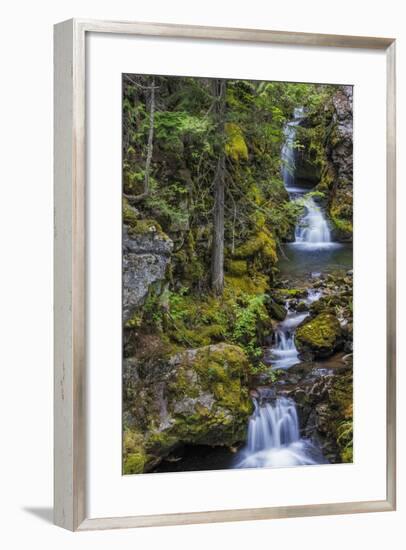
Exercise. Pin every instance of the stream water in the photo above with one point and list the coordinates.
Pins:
(274, 438)
(273, 432)
(284, 353)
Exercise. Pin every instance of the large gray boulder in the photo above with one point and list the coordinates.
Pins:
(145, 259)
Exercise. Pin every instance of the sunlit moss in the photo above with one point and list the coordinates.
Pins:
(235, 147)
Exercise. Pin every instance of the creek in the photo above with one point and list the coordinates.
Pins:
(273, 432)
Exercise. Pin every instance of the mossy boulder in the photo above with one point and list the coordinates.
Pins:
(261, 245)
(209, 397)
(198, 396)
(254, 284)
(276, 311)
(319, 337)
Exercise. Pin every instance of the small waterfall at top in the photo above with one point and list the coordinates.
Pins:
(312, 231)
(274, 437)
(288, 152)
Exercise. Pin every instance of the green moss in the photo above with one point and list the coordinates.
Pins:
(236, 267)
(130, 214)
(160, 443)
(138, 226)
(255, 284)
(347, 454)
(345, 440)
(134, 455)
(343, 226)
(341, 213)
(235, 147)
(284, 293)
(224, 356)
(341, 407)
(135, 321)
(320, 336)
(317, 195)
(276, 310)
(134, 463)
(142, 227)
(221, 373)
(263, 243)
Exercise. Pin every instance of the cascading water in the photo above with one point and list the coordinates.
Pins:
(312, 230)
(273, 432)
(274, 438)
(284, 353)
(288, 152)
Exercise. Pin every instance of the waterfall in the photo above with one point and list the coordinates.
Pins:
(288, 152)
(274, 437)
(284, 354)
(312, 230)
(273, 430)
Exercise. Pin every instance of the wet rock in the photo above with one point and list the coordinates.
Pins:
(301, 307)
(276, 310)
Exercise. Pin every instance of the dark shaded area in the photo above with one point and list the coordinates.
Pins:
(198, 458)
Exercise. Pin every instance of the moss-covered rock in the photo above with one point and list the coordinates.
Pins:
(301, 307)
(283, 294)
(198, 396)
(134, 455)
(254, 284)
(276, 311)
(236, 267)
(263, 243)
(320, 336)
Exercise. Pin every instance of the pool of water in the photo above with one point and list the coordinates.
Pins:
(302, 261)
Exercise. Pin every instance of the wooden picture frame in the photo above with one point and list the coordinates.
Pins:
(70, 263)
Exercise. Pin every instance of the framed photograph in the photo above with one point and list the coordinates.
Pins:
(224, 274)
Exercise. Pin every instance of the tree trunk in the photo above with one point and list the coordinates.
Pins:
(150, 145)
(217, 258)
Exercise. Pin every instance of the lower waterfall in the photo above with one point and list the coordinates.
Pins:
(274, 438)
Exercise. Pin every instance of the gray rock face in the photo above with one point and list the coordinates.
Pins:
(145, 258)
(341, 153)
